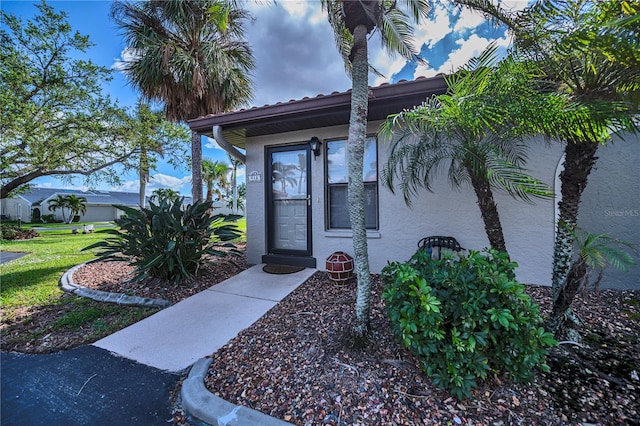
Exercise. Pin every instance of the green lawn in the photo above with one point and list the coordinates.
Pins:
(33, 279)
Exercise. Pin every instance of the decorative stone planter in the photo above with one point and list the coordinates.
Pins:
(340, 267)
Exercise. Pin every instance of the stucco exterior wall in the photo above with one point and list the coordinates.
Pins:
(611, 204)
(529, 228)
(10, 209)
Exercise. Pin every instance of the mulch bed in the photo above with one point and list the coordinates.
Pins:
(117, 277)
(298, 363)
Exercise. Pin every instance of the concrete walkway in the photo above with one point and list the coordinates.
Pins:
(95, 385)
(176, 337)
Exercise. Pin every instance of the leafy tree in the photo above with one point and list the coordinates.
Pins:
(155, 137)
(55, 119)
(214, 175)
(189, 55)
(475, 129)
(352, 21)
(591, 52)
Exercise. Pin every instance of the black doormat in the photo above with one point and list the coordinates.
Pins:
(271, 268)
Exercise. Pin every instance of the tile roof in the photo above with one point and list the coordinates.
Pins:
(319, 111)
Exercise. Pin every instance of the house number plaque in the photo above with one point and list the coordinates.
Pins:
(254, 177)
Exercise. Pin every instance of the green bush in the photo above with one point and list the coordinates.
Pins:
(15, 233)
(166, 240)
(465, 317)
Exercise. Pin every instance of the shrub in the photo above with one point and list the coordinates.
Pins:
(167, 241)
(15, 233)
(465, 317)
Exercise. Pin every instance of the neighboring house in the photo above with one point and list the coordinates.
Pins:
(296, 205)
(100, 204)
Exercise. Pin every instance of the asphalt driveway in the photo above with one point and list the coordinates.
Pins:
(83, 386)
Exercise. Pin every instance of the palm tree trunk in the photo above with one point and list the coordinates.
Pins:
(579, 160)
(561, 304)
(144, 175)
(196, 167)
(489, 211)
(357, 136)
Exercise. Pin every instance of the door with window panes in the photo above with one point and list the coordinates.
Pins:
(289, 200)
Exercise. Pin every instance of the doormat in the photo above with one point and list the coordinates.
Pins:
(271, 268)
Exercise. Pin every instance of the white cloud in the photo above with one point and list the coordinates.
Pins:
(468, 19)
(212, 144)
(436, 28)
(182, 185)
(468, 49)
(296, 8)
(127, 55)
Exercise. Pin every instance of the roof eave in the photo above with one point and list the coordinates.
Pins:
(321, 111)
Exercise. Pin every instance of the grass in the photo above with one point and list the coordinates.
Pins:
(32, 281)
(30, 225)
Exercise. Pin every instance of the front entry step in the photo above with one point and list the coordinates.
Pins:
(282, 259)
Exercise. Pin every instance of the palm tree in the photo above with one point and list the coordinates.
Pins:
(352, 21)
(59, 202)
(591, 53)
(76, 205)
(595, 252)
(189, 55)
(235, 201)
(155, 137)
(475, 130)
(160, 194)
(214, 175)
(72, 202)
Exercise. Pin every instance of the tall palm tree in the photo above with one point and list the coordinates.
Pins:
(475, 129)
(590, 55)
(352, 22)
(191, 56)
(214, 175)
(235, 201)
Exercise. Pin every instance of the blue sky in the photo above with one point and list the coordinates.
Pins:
(292, 43)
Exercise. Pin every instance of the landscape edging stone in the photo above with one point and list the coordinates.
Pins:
(198, 402)
(67, 284)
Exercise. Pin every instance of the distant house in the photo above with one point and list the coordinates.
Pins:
(100, 204)
(297, 206)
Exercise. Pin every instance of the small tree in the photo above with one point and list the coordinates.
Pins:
(595, 252)
(59, 202)
(72, 202)
(76, 205)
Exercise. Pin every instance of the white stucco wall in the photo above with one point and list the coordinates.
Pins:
(529, 228)
(9, 207)
(611, 203)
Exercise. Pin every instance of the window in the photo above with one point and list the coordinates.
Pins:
(337, 181)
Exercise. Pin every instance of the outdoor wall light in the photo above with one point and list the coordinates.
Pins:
(315, 143)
